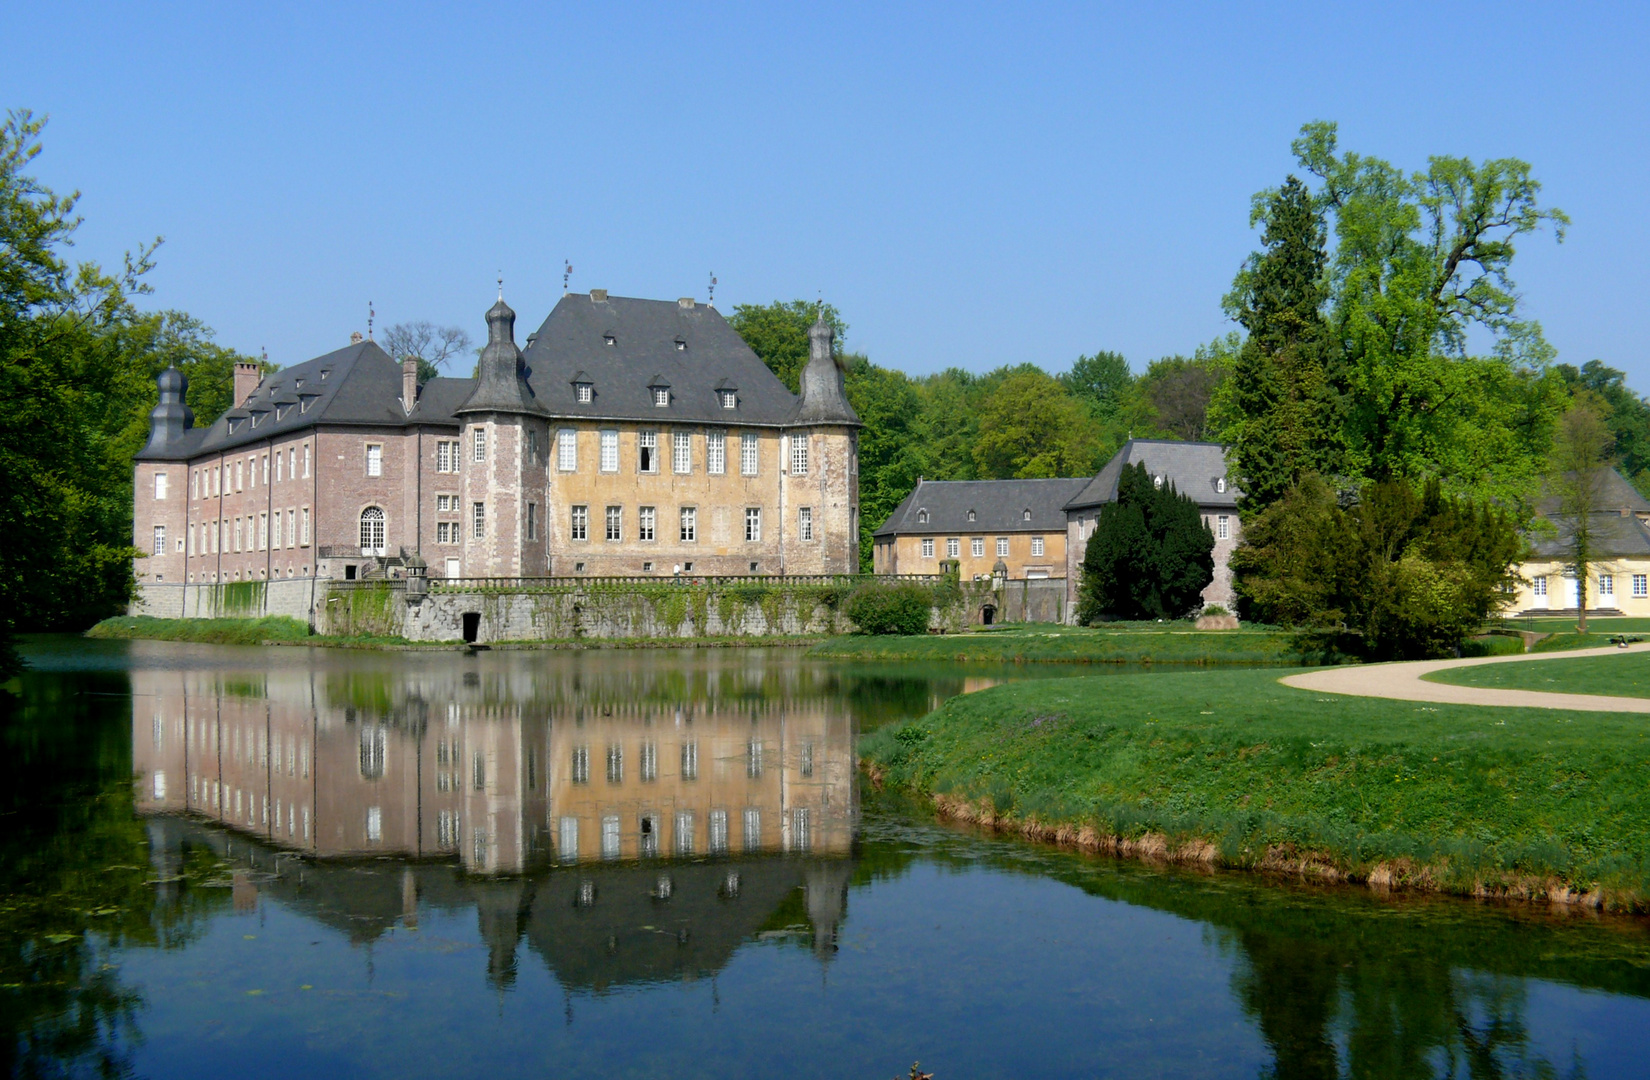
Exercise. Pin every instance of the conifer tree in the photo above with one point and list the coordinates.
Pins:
(1150, 556)
(1286, 424)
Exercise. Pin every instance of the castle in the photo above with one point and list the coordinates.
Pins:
(631, 437)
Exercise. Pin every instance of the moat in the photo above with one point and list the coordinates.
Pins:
(297, 861)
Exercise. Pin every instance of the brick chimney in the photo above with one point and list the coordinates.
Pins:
(246, 381)
(409, 383)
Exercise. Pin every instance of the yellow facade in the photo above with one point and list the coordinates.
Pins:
(922, 554)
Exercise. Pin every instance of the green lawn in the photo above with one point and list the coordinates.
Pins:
(213, 631)
(1596, 625)
(1233, 757)
(1120, 643)
(1627, 675)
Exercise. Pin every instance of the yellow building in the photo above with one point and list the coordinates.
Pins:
(1013, 527)
(1618, 578)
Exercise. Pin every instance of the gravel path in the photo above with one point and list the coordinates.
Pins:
(1403, 682)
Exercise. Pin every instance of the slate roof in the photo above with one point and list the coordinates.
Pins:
(1615, 494)
(361, 385)
(692, 350)
(1195, 468)
(999, 506)
(1614, 537)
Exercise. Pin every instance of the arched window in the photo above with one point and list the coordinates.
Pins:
(922, 517)
(372, 531)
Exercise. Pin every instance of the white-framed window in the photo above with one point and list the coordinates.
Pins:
(690, 759)
(584, 392)
(280, 460)
(610, 451)
(716, 452)
(615, 523)
(1002, 547)
(372, 531)
(753, 828)
(195, 484)
(753, 523)
(478, 445)
(567, 838)
(610, 836)
(160, 540)
(306, 472)
(375, 459)
(532, 521)
(567, 450)
(443, 504)
(953, 547)
(1606, 585)
(478, 520)
(646, 522)
(647, 452)
(1036, 547)
(718, 832)
(801, 837)
(1641, 585)
(275, 541)
(266, 469)
(747, 453)
(291, 528)
(1025, 515)
(1223, 527)
(1539, 585)
(1220, 485)
(446, 532)
(753, 758)
(976, 547)
(730, 399)
(581, 765)
(928, 547)
(443, 457)
(648, 762)
(303, 520)
(160, 486)
(684, 832)
(615, 763)
(263, 532)
(805, 522)
(238, 477)
(690, 524)
(922, 517)
(681, 451)
(237, 534)
(799, 455)
(580, 524)
(661, 397)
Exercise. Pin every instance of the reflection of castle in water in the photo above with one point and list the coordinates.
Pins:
(634, 823)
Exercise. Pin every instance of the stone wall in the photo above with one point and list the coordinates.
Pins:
(292, 597)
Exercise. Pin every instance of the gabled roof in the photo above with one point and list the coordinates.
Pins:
(645, 353)
(1614, 495)
(998, 506)
(1195, 469)
(1614, 536)
(358, 384)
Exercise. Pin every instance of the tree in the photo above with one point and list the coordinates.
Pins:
(1625, 412)
(1420, 262)
(77, 379)
(1030, 428)
(1284, 418)
(1581, 454)
(778, 333)
(1101, 380)
(431, 345)
(1396, 575)
(1150, 556)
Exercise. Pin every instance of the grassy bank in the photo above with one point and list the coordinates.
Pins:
(1123, 643)
(1619, 676)
(208, 631)
(1230, 768)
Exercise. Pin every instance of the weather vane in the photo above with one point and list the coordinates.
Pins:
(370, 314)
(501, 284)
(712, 300)
(566, 275)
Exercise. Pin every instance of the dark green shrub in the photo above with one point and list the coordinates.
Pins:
(1150, 556)
(891, 609)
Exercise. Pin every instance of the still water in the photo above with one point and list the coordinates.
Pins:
(279, 862)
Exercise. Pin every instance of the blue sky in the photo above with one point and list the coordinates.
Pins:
(970, 185)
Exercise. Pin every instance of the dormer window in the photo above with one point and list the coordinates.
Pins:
(297, 384)
(729, 398)
(584, 392)
(681, 346)
(971, 515)
(1220, 485)
(305, 401)
(1025, 515)
(324, 373)
(281, 411)
(922, 517)
(1157, 481)
(609, 340)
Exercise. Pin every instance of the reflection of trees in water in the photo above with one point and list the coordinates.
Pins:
(1399, 1013)
(76, 879)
